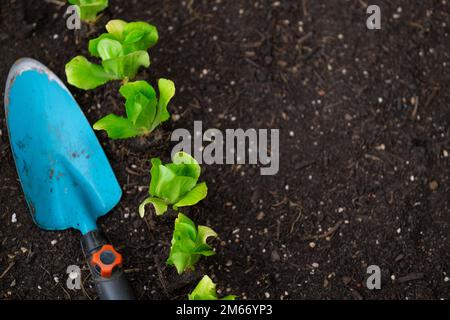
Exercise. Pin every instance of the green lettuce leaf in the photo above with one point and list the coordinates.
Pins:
(189, 244)
(126, 67)
(195, 195)
(88, 9)
(139, 36)
(115, 28)
(123, 51)
(166, 93)
(93, 43)
(206, 290)
(117, 127)
(176, 187)
(160, 206)
(141, 108)
(140, 102)
(109, 49)
(85, 75)
(176, 183)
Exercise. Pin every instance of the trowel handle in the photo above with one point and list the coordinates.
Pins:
(105, 264)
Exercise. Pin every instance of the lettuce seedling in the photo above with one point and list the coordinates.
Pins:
(88, 9)
(144, 110)
(174, 184)
(206, 290)
(189, 244)
(123, 50)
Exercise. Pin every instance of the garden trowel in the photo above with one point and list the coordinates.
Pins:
(65, 175)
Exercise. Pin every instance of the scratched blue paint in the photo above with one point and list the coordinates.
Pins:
(65, 175)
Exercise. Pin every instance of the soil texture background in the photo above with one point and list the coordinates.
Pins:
(364, 119)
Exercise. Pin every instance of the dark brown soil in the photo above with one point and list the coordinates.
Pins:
(365, 130)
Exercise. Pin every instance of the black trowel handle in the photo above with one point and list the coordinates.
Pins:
(105, 264)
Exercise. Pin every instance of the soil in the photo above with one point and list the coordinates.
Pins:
(364, 143)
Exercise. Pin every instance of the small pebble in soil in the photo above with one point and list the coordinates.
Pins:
(399, 230)
(315, 265)
(380, 100)
(205, 72)
(229, 263)
(312, 245)
(345, 280)
(275, 256)
(446, 279)
(267, 295)
(433, 185)
(445, 153)
(291, 133)
(53, 242)
(14, 218)
(393, 277)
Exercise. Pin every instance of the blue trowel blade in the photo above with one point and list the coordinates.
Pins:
(65, 175)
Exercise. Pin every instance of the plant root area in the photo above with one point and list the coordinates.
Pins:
(364, 149)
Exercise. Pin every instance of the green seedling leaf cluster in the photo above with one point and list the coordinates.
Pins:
(174, 184)
(206, 290)
(189, 244)
(123, 50)
(145, 111)
(88, 9)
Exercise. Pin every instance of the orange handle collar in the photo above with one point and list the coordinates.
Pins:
(106, 259)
